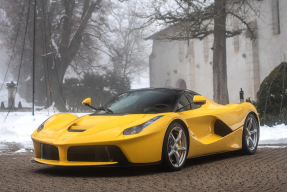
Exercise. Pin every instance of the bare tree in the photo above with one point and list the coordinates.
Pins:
(70, 28)
(197, 19)
(124, 44)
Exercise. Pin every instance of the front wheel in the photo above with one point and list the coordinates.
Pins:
(175, 147)
(250, 135)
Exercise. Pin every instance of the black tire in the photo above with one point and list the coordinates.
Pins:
(249, 145)
(169, 162)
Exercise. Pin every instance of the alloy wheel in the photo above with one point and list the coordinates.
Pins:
(252, 133)
(177, 146)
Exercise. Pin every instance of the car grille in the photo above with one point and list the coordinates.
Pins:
(96, 153)
(49, 152)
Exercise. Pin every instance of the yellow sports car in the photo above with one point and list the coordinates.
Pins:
(154, 125)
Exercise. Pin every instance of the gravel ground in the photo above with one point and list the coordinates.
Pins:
(264, 171)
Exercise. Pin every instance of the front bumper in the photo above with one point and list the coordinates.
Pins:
(143, 148)
(69, 163)
(86, 155)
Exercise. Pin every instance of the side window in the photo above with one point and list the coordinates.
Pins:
(183, 102)
(190, 99)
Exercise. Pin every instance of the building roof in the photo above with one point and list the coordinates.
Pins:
(159, 34)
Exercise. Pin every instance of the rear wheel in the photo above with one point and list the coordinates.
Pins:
(175, 147)
(250, 135)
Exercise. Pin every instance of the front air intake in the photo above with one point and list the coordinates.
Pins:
(96, 153)
(49, 152)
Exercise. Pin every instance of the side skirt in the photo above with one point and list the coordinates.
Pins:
(211, 154)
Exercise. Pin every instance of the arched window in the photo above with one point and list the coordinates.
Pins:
(181, 84)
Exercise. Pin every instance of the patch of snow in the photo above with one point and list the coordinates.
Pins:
(28, 78)
(52, 109)
(21, 151)
(273, 135)
(2, 146)
(19, 126)
(47, 54)
(272, 146)
(56, 48)
(106, 89)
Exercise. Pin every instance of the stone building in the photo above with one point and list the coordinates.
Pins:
(188, 64)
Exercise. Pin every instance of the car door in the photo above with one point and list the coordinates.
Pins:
(212, 120)
(199, 121)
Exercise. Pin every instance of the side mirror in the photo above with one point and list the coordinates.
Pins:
(199, 99)
(87, 102)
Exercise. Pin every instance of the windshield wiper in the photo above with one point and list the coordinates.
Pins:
(107, 110)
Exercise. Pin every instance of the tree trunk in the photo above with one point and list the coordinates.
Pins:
(220, 90)
(67, 50)
(55, 81)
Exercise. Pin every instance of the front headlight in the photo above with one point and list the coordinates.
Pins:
(137, 129)
(42, 125)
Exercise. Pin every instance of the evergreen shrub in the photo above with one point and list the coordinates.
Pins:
(271, 100)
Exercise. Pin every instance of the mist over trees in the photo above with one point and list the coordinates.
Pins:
(72, 37)
(93, 36)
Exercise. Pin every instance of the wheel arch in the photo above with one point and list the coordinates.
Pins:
(256, 116)
(245, 150)
(185, 127)
(183, 124)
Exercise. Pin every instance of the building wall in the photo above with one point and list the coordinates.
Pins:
(248, 62)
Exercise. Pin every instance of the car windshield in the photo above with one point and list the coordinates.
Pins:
(143, 101)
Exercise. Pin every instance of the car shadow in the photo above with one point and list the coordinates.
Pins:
(211, 158)
(124, 171)
(97, 171)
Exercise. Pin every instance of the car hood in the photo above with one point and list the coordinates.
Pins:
(91, 124)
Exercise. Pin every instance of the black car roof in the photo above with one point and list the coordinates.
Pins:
(176, 90)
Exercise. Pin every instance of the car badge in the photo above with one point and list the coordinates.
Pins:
(63, 138)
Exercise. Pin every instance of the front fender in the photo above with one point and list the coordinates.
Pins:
(60, 119)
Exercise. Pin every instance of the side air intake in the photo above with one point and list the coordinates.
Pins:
(221, 129)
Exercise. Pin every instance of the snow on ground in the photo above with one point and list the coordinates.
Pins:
(19, 127)
(273, 135)
(21, 151)
(15, 132)
(273, 146)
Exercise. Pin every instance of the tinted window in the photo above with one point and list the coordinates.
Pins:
(144, 101)
(183, 102)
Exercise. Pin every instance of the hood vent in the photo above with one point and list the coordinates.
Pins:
(74, 128)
